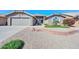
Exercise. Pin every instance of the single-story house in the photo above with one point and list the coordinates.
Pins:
(3, 20)
(20, 18)
(77, 21)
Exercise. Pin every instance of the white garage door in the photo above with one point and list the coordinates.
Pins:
(21, 22)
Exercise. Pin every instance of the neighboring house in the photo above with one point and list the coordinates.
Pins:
(3, 20)
(19, 18)
(77, 21)
(39, 19)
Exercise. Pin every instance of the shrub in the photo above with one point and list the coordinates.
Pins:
(55, 21)
(14, 44)
(68, 21)
(46, 25)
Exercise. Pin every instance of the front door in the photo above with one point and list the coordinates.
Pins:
(38, 21)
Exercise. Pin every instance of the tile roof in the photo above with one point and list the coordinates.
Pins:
(59, 15)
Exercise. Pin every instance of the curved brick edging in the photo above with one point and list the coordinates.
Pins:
(61, 33)
(54, 31)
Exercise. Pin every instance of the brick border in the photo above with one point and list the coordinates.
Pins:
(60, 32)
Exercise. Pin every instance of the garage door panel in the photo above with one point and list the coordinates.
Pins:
(21, 22)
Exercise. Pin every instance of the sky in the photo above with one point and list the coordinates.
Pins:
(43, 12)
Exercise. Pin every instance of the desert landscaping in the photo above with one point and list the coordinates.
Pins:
(20, 30)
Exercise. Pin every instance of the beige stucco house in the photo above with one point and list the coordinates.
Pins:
(19, 18)
(3, 20)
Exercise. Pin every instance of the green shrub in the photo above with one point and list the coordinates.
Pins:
(46, 25)
(68, 22)
(14, 44)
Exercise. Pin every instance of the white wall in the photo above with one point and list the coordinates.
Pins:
(28, 22)
(50, 20)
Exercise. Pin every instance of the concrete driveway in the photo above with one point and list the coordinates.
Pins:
(41, 39)
(8, 31)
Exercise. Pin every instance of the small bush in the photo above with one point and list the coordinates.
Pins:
(14, 44)
(68, 22)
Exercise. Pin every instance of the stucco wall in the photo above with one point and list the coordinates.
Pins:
(2, 21)
(29, 21)
(50, 20)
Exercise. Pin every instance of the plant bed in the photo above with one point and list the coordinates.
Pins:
(55, 26)
(14, 44)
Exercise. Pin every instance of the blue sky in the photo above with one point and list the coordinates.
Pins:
(44, 12)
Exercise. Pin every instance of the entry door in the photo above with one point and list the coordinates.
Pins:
(38, 21)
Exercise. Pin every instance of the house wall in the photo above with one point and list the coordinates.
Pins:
(2, 21)
(50, 20)
(76, 23)
(29, 21)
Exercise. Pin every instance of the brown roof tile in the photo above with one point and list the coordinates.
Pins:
(60, 15)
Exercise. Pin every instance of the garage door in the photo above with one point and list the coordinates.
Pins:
(21, 22)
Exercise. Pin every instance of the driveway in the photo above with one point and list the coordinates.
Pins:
(38, 38)
(8, 31)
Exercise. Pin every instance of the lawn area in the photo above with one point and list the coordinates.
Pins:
(55, 26)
